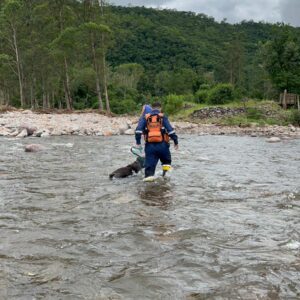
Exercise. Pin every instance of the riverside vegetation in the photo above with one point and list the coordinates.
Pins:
(68, 54)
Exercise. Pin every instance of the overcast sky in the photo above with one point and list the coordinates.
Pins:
(287, 11)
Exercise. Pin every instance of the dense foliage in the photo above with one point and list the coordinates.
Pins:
(87, 54)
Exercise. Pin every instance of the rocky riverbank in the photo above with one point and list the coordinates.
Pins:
(27, 123)
(217, 112)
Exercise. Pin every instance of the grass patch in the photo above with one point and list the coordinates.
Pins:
(259, 112)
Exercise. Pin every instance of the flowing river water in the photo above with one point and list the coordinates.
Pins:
(224, 225)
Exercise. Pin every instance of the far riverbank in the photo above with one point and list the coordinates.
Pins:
(23, 123)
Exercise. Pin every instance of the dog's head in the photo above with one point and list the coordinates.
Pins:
(135, 166)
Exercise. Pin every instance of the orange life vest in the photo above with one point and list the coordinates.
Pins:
(155, 131)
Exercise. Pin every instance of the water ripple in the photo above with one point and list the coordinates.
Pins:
(224, 226)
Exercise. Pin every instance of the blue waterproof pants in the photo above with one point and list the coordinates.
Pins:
(155, 152)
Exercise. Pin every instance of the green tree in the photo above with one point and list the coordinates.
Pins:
(63, 46)
(11, 22)
(233, 57)
(282, 59)
(94, 36)
(127, 76)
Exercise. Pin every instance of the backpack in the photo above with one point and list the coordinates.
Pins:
(155, 131)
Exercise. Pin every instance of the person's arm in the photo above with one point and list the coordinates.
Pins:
(170, 130)
(139, 130)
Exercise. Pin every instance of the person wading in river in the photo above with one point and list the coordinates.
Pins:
(157, 131)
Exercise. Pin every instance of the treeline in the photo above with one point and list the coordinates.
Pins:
(88, 54)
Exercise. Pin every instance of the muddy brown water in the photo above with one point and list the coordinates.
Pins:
(225, 225)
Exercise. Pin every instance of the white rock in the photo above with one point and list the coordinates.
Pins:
(39, 132)
(123, 128)
(56, 132)
(27, 112)
(129, 131)
(273, 140)
(30, 129)
(22, 134)
(45, 134)
(4, 132)
(74, 129)
(14, 133)
(292, 128)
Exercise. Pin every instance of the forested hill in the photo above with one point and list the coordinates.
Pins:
(79, 54)
(167, 39)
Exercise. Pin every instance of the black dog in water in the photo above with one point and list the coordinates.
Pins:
(136, 166)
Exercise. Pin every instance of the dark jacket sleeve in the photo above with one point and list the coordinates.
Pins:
(170, 130)
(140, 130)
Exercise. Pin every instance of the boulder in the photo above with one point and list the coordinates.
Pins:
(129, 131)
(292, 128)
(39, 133)
(42, 133)
(46, 133)
(27, 112)
(22, 134)
(123, 128)
(34, 148)
(74, 129)
(56, 132)
(4, 132)
(14, 133)
(30, 129)
(273, 140)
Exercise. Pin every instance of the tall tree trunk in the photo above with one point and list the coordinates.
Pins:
(105, 86)
(98, 88)
(36, 100)
(7, 98)
(101, 4)
(53, 99)
(67, 87)
(2, 97)
(66, 97)
(99, 92)
(32, 104)
(48, 100)
(44, 96)
(18, 63)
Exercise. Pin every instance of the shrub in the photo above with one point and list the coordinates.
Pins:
(173, 104)
(295, 117)
(221, 94)
(254, 113)
(188, 98)
(123, 106)
(201, 96)
(204, 86)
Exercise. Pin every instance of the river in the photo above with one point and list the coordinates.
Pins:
(224, 225)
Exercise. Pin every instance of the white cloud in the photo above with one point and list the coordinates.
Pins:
(290, 11)
(287, 11)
